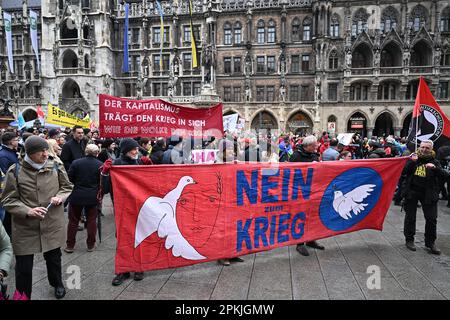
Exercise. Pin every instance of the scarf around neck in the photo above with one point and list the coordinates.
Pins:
(37, 166)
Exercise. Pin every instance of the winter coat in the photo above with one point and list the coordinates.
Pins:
(300, 155)
(432, 182)
(172, 156)
(71, 151)
(377, 153)
(84, 173)
(157, 154)
(106, 154)
(37, 187)
(8, 157)
(5, 250)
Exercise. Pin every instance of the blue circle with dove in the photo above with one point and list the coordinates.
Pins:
(349, 198)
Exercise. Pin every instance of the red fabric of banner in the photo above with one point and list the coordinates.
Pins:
(172, 216)
(120, 118)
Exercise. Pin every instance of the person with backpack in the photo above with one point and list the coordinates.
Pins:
(34, 192)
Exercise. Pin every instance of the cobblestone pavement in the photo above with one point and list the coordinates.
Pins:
(339, 272)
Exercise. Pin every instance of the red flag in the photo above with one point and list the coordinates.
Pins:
(429, 121)
(40, 113)
(171, 216)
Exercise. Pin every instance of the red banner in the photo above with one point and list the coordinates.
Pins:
(120, 118)
(172, 216)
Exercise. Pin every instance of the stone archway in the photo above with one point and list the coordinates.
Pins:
(384, 125)
(264, 120)
(300, 124)
(357, 123)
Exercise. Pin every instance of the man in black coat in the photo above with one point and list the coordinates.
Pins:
(158, 151)
(422, 183)
(307, 152)
(74, 148)
(84, 173)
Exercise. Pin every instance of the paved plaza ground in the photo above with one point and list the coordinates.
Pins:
(339, 272)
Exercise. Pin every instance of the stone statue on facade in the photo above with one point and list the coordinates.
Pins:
(437, 56)
(248, 65)
(283, 93)
(376, 58)
(5, 111)
(248, 93)
(406, 58)
(348, 59)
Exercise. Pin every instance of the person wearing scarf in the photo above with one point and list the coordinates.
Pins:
(422, 175)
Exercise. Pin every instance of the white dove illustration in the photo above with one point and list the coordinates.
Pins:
(159, 214)
(343, 204)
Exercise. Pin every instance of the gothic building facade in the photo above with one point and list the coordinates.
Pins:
(294, 65)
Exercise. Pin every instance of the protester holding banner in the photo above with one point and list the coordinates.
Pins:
(307, 152)
(129, 154)
(174, 152)
(422, 183)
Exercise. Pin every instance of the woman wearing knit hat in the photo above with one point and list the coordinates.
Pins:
(37, 213)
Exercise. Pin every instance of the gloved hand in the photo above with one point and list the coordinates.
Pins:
(106, 167)
(146, 160)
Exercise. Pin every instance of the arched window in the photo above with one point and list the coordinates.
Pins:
(445, 59)
(227, 33)
(86, 61)
(418, 18)
(444, 25)
(388, 90)
(237, 33)
(359, 91)
(359, 23)
(333, 61)
(271, 32)
(295, 30)
(307, 29)
(334, 26)
(68, 29)
(261, 32)
(70, 59)
(389, 19)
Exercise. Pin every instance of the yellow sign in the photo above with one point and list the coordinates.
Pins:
(62, 118)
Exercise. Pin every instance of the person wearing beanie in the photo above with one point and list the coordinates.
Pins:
(37, 214)
(129, 156)
(8, 157)
(109, 150)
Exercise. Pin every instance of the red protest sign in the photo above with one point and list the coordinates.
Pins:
(172, 216)
(120, 118)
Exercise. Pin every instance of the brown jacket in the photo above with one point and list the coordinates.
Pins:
(37, 187)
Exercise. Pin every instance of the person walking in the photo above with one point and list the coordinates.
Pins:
(422, 183)
(307, 152)
(84, 173)
(35, 189)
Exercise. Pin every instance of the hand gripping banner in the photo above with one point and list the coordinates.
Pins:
(179, 215)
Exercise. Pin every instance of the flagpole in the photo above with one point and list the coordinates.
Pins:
(417, 125)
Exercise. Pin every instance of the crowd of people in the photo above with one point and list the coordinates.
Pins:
(46, 174)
